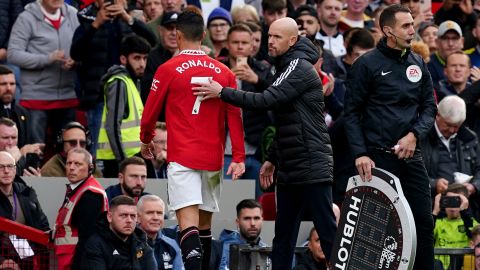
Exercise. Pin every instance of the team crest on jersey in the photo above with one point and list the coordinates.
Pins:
(154, 85)
(414, 73)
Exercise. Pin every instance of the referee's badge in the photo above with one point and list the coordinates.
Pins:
(414, 73)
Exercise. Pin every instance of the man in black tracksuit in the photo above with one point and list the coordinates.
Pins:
(301, 149)
(389, 106)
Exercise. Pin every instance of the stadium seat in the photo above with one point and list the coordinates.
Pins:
(267, 200)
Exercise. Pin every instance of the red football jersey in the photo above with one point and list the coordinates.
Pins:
(196, 129)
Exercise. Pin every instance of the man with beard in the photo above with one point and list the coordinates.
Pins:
(301, 148)
(118, 244)
(249, 223)
(132, 177)
(10, 109)
(307, 20)
(119, 132)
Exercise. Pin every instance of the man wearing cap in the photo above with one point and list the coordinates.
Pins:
(449, 40)
(162, 52)
(307, 20)
(218, 24)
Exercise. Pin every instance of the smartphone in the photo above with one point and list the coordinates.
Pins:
(32, 160)
(241, 60)
(108, 2)
(450, 201)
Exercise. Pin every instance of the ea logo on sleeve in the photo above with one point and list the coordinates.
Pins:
(414, 73)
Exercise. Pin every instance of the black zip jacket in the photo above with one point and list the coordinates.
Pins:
(105, 250)
(468, 161)
(301, 148)
(96, 50)
(255, 121)
(34, 215)
(383, 103)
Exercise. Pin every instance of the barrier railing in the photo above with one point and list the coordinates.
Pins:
(25, 248)
(246, 257)
(454, 258)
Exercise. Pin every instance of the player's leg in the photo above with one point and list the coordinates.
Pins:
(184, 196)
(211, 188)
(205, 231)
(287, 224)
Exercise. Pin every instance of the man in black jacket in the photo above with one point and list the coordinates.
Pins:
(389, 106)
(451, 152)
(301, 149)
(118, 243)
(313, 258)
(19, 203)
(96, 47)
(10, 109)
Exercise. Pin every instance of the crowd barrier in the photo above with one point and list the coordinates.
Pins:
(25, 248)
(246, 257)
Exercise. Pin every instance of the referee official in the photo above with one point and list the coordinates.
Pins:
(389, 106)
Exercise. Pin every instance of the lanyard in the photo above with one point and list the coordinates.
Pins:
(14, 216)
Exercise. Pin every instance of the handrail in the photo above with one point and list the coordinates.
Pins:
(24, 231)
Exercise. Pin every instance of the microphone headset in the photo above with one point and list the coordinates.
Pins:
(391, 33)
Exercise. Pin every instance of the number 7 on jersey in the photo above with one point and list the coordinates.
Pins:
(198, 101)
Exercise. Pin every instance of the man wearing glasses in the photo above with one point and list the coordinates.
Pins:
(450, 40)
(19, 203)
(73, 135)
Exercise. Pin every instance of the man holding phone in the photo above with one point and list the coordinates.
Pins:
(252, 76)
(452, 231)
(96, 44)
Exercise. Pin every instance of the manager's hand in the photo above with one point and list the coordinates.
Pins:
(207, 90)
(266, 174)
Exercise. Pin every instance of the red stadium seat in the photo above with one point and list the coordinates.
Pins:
(267, 200)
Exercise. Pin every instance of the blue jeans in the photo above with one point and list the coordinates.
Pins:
(56, 119)
(252, 171)
(94, 119)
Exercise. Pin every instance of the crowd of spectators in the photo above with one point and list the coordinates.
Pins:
(76, 74)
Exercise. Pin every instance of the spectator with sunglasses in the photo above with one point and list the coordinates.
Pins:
(73, 135)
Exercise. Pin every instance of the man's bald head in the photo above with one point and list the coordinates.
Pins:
(288, 25)
(7, 155)
(282, 34)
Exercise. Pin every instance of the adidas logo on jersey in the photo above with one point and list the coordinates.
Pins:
(193, 253)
